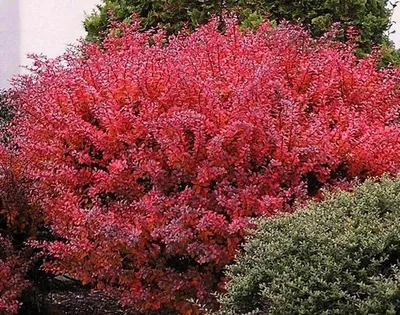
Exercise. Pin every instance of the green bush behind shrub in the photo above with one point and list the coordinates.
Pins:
(6, 110)
(372, 17)
(7, 113)
(340, 256)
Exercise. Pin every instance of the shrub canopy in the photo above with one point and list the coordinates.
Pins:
(339, 256)
(151, 159)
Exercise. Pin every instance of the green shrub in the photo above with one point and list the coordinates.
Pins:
(6, 110)
(6, 115)
(340, 256)
(370, 16)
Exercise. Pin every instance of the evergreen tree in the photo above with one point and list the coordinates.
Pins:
(371, 17)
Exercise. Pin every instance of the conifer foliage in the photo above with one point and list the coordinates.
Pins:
(371, 17)
(151, 157)
(338, 256)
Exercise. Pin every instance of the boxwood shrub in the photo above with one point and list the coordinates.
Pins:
(339, 256)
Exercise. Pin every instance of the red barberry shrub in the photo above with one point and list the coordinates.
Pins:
(12, 277)
(19, 222)
(152, 155)
(20, 218)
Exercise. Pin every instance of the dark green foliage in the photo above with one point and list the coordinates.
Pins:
(6, 111)
(170, 14)
(6, 115)
(340, 256)
(372, 17)
(390, 55)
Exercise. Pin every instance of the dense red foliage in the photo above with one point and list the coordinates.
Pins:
(19, 217)
(19, 220)
(152, 158)
(12, 273)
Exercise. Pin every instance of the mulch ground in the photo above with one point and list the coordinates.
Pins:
(74, 300)
(83, 302)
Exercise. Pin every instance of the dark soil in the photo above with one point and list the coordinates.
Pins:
(66, 297)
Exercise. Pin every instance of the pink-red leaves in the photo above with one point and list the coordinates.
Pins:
(12, 277)
(153, 158)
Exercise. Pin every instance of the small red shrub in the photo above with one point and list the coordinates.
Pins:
(20, 218)
(153, 158)
(19, 221)
(12, 277)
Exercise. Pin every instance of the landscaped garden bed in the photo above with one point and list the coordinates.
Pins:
(133, 168)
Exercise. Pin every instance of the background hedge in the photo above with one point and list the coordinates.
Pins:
(372, 17)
